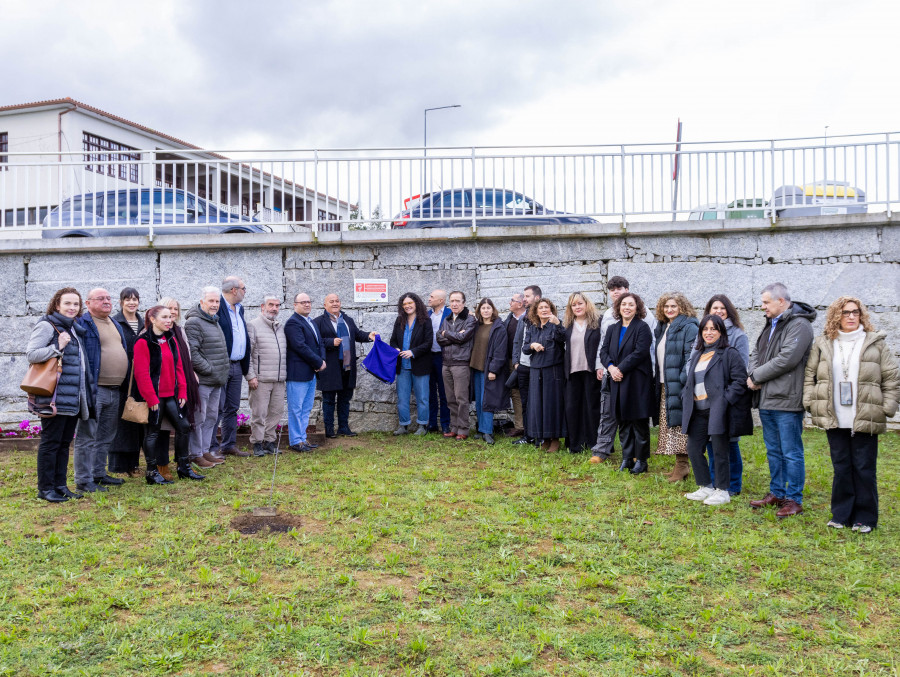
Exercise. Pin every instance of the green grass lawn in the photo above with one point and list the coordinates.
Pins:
(427, 557)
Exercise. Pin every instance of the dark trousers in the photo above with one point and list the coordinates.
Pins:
(606, 430)
(854, 490)
(168, 409)
(342, 399)
(582, 410)
(437, 396)
(229, 403)
(735, 464)
(635, 438)
(698, 436)
(53, 450)
(523, 375)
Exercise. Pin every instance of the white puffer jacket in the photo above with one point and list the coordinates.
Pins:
(268, 350)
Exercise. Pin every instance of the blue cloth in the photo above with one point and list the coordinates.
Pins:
(622, 334)
(305, 350)
(300, 398)
(735, 464)
(484, 419)
(238, 332)
(406, 362)
(381, 361)
(407, 382)
(782, 433)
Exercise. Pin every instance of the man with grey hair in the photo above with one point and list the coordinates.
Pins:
(777, 365)
(104, 344)
(266, 375)
(231, 320)
(516, 314)
(209, 355)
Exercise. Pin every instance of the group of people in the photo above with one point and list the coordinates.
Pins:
(575, 380)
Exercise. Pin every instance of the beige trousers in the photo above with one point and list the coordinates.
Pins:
(266, 410)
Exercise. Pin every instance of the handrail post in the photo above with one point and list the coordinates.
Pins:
(622, 167)
(474, 223)
(887, 172)
(772, 190)
(315, 210)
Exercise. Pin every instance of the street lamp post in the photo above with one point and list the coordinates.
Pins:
(425, 143)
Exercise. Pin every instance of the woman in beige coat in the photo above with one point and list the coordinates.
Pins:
(852, 387)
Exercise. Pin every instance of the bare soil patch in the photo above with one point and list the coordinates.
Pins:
(252, 524)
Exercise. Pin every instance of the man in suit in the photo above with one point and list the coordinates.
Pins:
(338, 380)
(237, 341)
(437, 397)
(305, 358)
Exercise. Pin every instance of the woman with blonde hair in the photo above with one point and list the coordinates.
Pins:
(582, 323)
(676, 333)
(851, 388)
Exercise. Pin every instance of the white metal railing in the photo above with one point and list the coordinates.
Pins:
(204, 191)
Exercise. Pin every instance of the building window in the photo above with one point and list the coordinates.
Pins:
(98, 150)
(4, 149)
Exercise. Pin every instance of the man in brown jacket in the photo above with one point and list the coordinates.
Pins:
(266, 376)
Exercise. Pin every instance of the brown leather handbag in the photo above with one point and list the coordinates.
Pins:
(134, 411)
(42, 377)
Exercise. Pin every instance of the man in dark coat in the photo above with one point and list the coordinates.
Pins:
(438, 411)
(305, 358)
(337, 381)
(231, 320)
(516, 314)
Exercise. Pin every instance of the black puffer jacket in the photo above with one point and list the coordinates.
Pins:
(679, 341)
(73, 392)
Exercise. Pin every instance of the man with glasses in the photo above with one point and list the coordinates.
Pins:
(237, 340)
(105, 348)
(305, 358)
(777, 366)
(266, 376)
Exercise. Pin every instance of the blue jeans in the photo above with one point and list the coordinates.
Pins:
(735, 464)
(300, 398)
(406, 383)
(782, 433)
(485, 418)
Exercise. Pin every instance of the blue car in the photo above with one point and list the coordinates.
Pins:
(489, 206)
(129, 212)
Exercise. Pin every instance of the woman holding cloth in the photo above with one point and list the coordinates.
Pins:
(159, 380)
(714, 407)
(851, 388)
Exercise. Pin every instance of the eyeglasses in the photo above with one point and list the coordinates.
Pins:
(850, 313)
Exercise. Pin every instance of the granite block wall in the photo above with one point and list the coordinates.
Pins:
(817, 265)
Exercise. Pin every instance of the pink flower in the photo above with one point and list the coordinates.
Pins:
(25, 425)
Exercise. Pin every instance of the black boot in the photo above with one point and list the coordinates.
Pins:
(151, 439)
(627, 464)
(186, 472)
(639, 467)
(153, 477)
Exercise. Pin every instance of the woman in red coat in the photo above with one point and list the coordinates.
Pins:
(160, 381)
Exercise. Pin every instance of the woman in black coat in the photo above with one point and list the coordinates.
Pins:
(412, 336)
(714, 388)
(125, 451)
(490, 366)
(676, 332)
(545, 341)
(582, 322)
(626, 354)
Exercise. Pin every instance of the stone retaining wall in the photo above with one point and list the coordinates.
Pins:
(818, 261)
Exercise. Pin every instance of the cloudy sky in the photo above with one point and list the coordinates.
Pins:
(347, 73)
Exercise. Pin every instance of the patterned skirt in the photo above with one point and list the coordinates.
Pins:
(670, 441)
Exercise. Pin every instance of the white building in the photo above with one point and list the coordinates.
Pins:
(52, 150)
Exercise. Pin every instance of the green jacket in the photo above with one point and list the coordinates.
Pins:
(878, 388)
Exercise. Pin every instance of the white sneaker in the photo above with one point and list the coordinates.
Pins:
(718, 497)
(701, 494)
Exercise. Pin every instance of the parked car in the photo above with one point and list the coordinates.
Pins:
(749, 208)
(129, 212)
(489, 206)
(819, 199)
